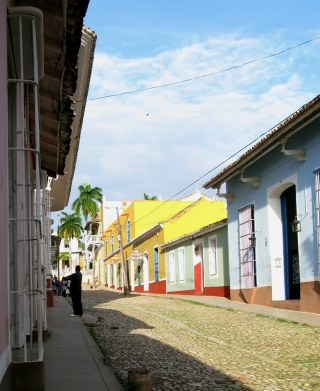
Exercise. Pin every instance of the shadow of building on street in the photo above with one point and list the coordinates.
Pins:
(129, 344)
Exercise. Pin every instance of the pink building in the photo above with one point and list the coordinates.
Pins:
(46, 70)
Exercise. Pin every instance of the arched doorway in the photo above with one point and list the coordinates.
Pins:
(290, 244)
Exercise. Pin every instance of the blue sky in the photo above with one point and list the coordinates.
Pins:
(162, 140)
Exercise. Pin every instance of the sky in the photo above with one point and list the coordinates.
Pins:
(168, 141)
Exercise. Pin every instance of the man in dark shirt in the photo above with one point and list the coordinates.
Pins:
(75, 291)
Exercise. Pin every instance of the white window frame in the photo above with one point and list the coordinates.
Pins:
(182, 263)
(112, 244)
(213, 257)
(172, 267)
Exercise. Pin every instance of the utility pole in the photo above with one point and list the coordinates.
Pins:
(125, 288)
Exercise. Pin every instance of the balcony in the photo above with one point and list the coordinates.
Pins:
(92, 241)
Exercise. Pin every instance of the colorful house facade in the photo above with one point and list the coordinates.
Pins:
(145, 226)
(197, 263)
(69, 255)
(95, 249)
(273, 193)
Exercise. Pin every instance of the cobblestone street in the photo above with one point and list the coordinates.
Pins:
(189, 346)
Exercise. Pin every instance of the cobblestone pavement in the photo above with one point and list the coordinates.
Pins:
(188, 346)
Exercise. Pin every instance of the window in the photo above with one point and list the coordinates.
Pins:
(181, 259)
(172, 268)
(112, 244)
(247, 248)
(66, 243)
(119, 274)
(317, 189)
(128, 231)
(212, 253)
(111, 274)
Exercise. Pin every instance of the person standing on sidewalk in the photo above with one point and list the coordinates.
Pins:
(75, 291)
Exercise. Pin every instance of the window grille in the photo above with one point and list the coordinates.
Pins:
(181, 258)
(212, 252)
(247, 248)
(172, 267)
(28, 229)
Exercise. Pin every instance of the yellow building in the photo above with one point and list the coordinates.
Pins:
(144, 227)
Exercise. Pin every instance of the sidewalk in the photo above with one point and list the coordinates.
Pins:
(73, 361)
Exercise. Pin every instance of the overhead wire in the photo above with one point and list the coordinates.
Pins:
(204, 175)
(205, 75)
(196, 78)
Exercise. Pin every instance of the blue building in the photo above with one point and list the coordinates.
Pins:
(273, 193)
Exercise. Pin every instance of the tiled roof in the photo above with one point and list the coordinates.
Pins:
(287, 127)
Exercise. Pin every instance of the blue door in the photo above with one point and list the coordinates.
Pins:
(156, 263)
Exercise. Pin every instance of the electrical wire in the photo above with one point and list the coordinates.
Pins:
(205, 75)
(196, 78)
(204, 175)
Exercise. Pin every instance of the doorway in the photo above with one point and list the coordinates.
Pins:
(290, 244)
(198, 269)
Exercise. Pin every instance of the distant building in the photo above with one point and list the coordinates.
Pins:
(68, 256)
(145, 227)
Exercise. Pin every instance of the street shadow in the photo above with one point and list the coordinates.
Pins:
(127, 347)
(98, 296)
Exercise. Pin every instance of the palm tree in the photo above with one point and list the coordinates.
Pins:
(70, 227)
(86, 203)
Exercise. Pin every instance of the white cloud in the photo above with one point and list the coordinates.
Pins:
(161, 140)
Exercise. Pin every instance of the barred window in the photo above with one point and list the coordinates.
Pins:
(172, 267)
(247, 247)
(212, 251)
(181, 258)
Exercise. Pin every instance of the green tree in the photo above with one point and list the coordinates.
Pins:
(70, 227)
(64, 257)
(147, 197)
(86, 203)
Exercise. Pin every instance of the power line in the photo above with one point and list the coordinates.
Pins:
(207, 74)
(198, 179)
(207, 173)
